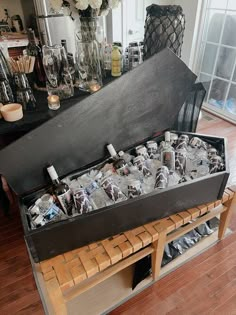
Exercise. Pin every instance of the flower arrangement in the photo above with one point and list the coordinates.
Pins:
(86, 8)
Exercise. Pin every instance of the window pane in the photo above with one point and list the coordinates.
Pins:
(234, 76)
(229, 37)
(218, 93)
(205, 80)
(209, 58)
(232, 5)
(225, 62)
(218, 4)
(230, 105)
(213, 26)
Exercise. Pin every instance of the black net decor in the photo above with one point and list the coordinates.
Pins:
(164, 27)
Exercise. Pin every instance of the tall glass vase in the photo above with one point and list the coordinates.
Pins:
(88, 56)
(56, 66)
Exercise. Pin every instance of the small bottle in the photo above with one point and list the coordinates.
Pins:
(125, 156)
(62, 191)
(115, 62)
(33, 49)
(119, 163)
(168, 153)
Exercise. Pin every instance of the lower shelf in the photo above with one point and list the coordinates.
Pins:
(117, 289)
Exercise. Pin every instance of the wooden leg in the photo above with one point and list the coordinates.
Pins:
(56, 297)
(157, 255)
(226, 215)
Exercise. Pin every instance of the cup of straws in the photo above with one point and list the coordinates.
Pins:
(22, 69)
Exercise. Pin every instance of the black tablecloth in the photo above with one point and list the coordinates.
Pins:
(42, 113)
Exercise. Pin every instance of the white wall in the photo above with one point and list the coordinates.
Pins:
(191, 10)
(14, 7)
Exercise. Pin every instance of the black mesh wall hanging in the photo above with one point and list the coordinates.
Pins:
(164, 27)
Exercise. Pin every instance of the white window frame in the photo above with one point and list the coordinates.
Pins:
(197, 63)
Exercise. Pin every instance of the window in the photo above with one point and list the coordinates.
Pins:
(216, 60)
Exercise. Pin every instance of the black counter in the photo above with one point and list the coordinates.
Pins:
(41, 114)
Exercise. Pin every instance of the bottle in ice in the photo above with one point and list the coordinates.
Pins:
(162, 177)
(168, 153)
(119, 163)
(112, 190)
(82, 202)
(62, 191)
(152, 148)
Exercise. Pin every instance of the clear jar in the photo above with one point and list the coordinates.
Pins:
(56, 66)
(87, 56)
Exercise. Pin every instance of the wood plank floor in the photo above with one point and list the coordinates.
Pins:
(206, 285)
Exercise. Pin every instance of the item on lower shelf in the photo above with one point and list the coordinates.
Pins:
(174, 249)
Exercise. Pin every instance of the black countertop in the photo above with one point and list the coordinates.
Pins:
(41, 113)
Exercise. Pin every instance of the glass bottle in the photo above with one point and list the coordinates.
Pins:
(168, 153)
(115, 62)
(119, 163)
(33, 49)
(61, 190)
(5, 72)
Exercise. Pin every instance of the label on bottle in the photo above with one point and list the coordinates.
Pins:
(91, 188)
(66, 202)
(168, 160)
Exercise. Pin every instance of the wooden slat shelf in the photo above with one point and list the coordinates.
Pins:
(68, 275)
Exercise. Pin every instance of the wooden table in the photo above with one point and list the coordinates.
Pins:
(69, 275)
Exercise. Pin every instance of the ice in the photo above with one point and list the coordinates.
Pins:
(174, 179)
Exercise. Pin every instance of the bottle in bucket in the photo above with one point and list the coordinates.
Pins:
(168, 153)
(139, 161)
(62, 191)
(162, 177)
(152, 148)
(142, 150)
(134, 188)
(119, 163)
(82, 202)
(112, 190)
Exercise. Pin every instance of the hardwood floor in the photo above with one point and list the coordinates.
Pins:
(205, 285)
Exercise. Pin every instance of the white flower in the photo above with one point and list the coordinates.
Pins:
(56, 5)
(95, 4)
(82, 4)
(104, 12)
(113, 4)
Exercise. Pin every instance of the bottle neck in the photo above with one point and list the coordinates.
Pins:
(32, 38)
(56, 181)
(63, 43)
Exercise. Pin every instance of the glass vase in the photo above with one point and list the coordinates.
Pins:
(59, 80)
(89, 77)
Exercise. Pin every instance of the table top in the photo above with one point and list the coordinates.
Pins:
(41, 113)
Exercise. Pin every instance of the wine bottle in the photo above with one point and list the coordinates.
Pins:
(33, 49)
(168, 153)
(62, 191)
(119, 163)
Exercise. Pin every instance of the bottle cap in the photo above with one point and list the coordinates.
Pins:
(111, 150)
(121, 153)
(52, 172)
(167, 136)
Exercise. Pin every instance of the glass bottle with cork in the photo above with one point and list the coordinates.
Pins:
(34, 49)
